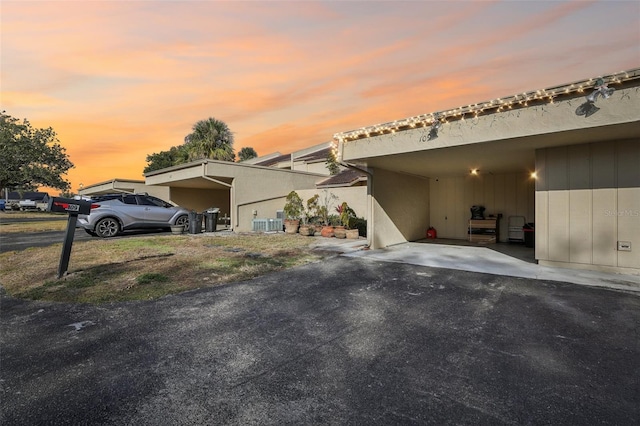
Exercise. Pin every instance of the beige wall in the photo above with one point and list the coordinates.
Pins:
(356, 198)
(303, 166)
(398, 215)
(202, 199)
(511, 194)
(202, 185)
(588, 199)
(264, 190)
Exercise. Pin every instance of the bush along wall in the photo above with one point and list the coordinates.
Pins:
(360, 224)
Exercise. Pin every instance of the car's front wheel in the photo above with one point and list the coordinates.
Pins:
(184, 222)
(107, 227)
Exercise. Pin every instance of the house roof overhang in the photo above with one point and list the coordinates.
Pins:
(210, 174)
(498, 139)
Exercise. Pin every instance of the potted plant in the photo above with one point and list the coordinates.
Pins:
(323, 213)
(309, 215)
(292, 211)
(346, 214)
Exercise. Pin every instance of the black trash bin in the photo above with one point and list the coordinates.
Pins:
(195, 223)
(210, 219)
(529, 235)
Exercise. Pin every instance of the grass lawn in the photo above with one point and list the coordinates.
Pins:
(106, 270)
(46, 222)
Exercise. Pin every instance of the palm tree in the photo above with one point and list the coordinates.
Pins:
(211, 139)
(247, 153)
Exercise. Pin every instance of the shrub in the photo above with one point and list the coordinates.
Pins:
(360, 224)
(293, 206)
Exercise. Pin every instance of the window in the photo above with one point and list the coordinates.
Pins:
(129, 199)
(148, 200)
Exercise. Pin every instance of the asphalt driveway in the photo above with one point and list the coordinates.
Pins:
(345, 341)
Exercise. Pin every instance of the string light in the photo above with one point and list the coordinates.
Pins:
(496, 106)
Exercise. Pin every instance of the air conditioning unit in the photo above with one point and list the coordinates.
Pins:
(266, 225)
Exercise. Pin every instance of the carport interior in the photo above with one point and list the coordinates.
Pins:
(199, 194)
(496, 175)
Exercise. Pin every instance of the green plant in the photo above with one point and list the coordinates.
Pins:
(293, 206)
(334, 220)
(346, 213)
(332, 164)
(326, 202)
(311, 213)
(360, 224)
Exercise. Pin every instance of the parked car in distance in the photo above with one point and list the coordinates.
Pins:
(113, 213)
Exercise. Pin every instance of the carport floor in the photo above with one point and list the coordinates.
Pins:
(517, 250)
(489, 260)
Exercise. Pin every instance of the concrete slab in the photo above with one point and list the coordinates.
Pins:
(485, 260)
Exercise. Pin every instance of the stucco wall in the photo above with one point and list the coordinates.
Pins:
(356, 198)
(265, 191)
(398, 216)
(512, 194)
(320, 168)
(588, 199)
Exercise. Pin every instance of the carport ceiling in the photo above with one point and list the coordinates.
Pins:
(200, 183)
(503, 156)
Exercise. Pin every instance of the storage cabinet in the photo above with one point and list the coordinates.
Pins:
(483, 230)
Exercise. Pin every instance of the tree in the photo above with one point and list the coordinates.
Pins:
(211, 139)
(332, 164)
(31, 157)
(247, 153)
(163, 159)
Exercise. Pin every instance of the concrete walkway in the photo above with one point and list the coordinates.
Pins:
(485, 260)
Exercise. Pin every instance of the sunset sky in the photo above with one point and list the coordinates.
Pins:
(118, 80)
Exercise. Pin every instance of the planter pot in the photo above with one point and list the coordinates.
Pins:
(340, 232)
(353, 234)
(177, 229)
(327, 231)
(307, 230)
(291, 226)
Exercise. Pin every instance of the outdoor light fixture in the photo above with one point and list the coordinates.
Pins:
(534, 175)
(474, 172)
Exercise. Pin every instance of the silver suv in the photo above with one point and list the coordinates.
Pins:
(114, 213)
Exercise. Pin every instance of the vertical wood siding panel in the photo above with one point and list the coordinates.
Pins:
(436, 205)
(603, 169)
(460, 215)
(580, 167)
(557, 168)
(580, 226)
(559, 226)
(522, 199)
(542, 225)
(499, 202)
(628, 216)
(604, 226)
(628, 164)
